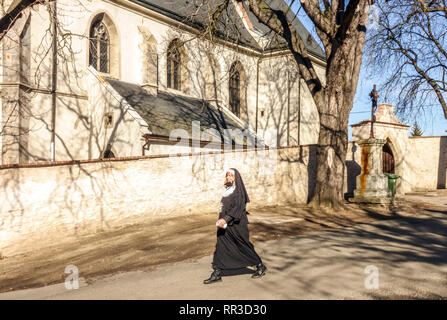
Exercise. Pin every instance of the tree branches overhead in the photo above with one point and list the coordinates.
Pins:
(13, 13)
(278, 22)
(410, 42)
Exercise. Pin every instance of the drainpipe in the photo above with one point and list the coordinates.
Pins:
(54, 82)
(299, 108)
(288, 107)
(146, 137)
(257, 99)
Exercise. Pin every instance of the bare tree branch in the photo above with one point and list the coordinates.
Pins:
(410, 42)
(322, 20)
(278, 22)
(14, 12)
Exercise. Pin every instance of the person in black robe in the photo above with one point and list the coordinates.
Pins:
(233, 248)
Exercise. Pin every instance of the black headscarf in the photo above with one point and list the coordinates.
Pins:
(236, 201)
(240, 194)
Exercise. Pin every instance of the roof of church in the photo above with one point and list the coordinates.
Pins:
(166, 112)
(279, 42)
(230, 26)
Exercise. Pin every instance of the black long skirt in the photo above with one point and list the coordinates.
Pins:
(234, 249)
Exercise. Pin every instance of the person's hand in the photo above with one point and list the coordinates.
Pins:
(221, 223)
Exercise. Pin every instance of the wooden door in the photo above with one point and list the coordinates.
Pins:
(388, 159)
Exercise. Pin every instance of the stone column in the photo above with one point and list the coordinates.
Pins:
(372, 184)
(149, 61)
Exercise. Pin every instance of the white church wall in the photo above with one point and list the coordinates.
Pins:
(57, 202)
(281, 107)
(124, 134)
(310, 120)
(125, 19)
(273, 99)
(164, 33)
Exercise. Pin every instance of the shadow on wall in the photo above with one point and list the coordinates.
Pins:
(442, 165)
(353, 169)
(311, 171)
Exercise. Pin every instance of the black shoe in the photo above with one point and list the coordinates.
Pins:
(260, 271)
(215, 277)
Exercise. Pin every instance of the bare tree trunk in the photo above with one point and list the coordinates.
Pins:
(338, 95)
(13, 13)
(331, 156)
(342, 75)
(333, 136)
(342, 31)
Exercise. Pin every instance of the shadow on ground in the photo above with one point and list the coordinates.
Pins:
(418, 236)
(410, 253)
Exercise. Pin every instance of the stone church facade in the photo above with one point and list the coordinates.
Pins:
(127, 78)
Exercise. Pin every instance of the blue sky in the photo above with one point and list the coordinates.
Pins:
(432, 122)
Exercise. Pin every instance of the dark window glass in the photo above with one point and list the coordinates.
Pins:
(174, 65)
(99, 47)
(235, 92)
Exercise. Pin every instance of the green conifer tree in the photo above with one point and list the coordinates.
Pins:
(416, 131)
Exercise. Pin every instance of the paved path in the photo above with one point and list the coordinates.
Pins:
(410, 255)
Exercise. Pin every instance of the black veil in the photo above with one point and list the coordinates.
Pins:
(240, 193)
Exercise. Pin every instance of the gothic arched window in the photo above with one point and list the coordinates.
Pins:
(235, 90)
(99, 56)
(174, 65)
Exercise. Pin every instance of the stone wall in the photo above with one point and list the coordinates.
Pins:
(427, 163)
(43, 204)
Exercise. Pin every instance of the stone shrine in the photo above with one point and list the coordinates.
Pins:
(372, 184)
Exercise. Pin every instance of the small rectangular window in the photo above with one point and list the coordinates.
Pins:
(108, 120)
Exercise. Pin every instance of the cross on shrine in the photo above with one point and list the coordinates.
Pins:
(374, 97)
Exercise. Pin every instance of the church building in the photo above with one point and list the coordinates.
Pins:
(90, 79)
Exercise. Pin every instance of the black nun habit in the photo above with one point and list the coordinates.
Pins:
(233, 248)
